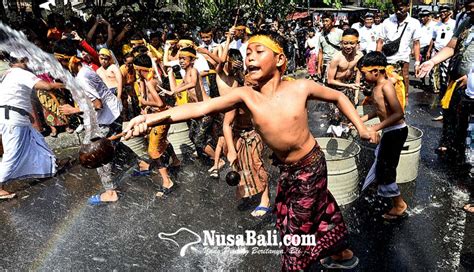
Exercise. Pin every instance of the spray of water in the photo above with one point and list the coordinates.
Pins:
(41, 62)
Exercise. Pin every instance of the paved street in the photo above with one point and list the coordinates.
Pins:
(51, 226)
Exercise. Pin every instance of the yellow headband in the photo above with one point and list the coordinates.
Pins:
(72, 59)
(150, 71)
(185, 43)
(186, 54)
(350, 38)
(270, 44)
(371, 68)
(241, 27)
(137, 42)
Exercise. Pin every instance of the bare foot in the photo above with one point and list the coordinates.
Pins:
(6, 195)
(143, 165)
(469, 208)
(396, 212)
(109, 196)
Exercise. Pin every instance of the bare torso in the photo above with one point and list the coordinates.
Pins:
(108, 75)
(346, 67)
(197, 93)
(381, 105)
(282, 120)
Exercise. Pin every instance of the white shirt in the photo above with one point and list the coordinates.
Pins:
(209, 47)
(443, 33)
(111, 106)
(313, 43)
(427, 33)
(391, 31)
(356, 26)
(368, 38)
(15, 90)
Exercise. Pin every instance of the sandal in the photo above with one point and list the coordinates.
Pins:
(95, 200)
(330, 263)
(214, 174)
(163, 191)
(7, 196)
(266, 210)
(390, 217)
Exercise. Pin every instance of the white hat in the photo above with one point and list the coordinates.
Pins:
(17, 55)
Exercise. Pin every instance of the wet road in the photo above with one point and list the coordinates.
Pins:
(51, 226)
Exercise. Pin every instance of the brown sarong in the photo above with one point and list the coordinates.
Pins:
(304, 206)
(254, 177)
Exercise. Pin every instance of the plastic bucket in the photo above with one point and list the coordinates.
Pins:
(343, 174)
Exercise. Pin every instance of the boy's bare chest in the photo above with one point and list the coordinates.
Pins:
(278, 112)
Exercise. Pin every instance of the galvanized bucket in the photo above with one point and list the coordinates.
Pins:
(407, 169)
(138, 145)
(343, 174)
(178, 136)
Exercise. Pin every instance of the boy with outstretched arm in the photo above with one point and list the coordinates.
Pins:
(278, 108)
(389, 110)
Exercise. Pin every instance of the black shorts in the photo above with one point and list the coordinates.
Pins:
(391, 146)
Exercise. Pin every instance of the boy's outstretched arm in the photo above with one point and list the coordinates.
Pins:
(319, 92)
(138, 125)
(394, 105)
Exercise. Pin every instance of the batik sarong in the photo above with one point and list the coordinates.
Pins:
(26, 154)
(254, 177)
(304, 206)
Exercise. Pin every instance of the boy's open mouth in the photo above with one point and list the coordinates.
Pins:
(252, 68)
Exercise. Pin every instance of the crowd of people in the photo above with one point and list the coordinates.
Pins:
(234, 91)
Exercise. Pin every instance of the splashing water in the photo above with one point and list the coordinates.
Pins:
(41, 62)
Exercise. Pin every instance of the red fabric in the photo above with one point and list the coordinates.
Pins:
(95, 64)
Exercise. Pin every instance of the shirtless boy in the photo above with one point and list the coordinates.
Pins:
(395, 132)
(110, 73)
(199, 130)
(278, 108)
(159, 149)
(341, 72)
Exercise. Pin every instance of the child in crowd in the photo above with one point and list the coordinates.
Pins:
(392, 124)
(304, 204)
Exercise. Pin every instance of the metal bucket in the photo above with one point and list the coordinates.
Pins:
(407, 169)
(178, 136)
(138, 145)
(343, 174)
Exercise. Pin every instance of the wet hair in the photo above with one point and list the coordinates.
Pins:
(141, 49)
(328, 15)
(235, 55)
(171, 36)
(66, 47)
(374, 58)
(136, 36)
(350, 31)
(127, 55)
(189, 49)
(143, 60)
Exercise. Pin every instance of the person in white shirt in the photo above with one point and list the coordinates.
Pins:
(442, 34)
(329, 44)
(26, 154)
(427, 30)
(401, 26)
(108, 109)
(368, 34)
(312, 49)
